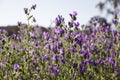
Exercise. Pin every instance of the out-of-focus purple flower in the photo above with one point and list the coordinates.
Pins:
(22, 49)
(73, 15)
(82, 69)
(46, 35)
(70, 24)
(72, 76)
(63, 61)
(93, 40)
(93, 48)
(114, 32)
(13, 35)
(75, 65)
(32, 35)
(26, 10)
(1, 37)
(72, 49)
(34, 56)
(90, 76)
(35, 42)
(19, 23)
(18, 37)
(16, 66)
(54, 48)
(34, 62)
(59, 44)
(55, 70)
(107, 29)
(55, 57)
(85, 47)
(58, 30)
(78, 39)
(86, 53)
(37, 69)
(48, 46)
(45, 57)
(89, 62)
(114, 21)
(38, 47)
(1, 64)
(52, 39)
(34, 20)
(76, 24)
(56, 37)
(61, 51)
(15, 46)
(59, 20)
(111, 60)
(31, 51)
(33, 6)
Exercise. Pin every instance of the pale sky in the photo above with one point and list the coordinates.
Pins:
(11, 11)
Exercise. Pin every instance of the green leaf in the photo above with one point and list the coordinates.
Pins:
(30, 17)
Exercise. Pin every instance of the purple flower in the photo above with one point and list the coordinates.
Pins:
(85, 53)
(46, 35)
(78, 39)
(15, 46)
(48, 46)
(31, 51)
(19, 23)
(22, 49)
(58, 30)
(93, 48)
(55, 70)
(76, 24)
(75, 65)
(37, 69)
(45, 57)
(72, 49)
(16, 66)
(18, 37)
(73, 15)
(85, 47)
(70, 24)
(111, 60)
(63, 61)
(34, 62)
(114, 32)
(54, 48)
(26, 10)
(1, 64)
(56, 37)
(114, 21)
(72, 75)
(59, 44)
(13, 35)
(82, 69)
(1, 37)
(32, 35)
(55, 57)
(107, 30)
(90, 76)
(89, 62)
(59, 20)
(34, 20)
(33, 6)
(61, 51)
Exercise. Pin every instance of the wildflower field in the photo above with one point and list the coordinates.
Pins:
(65, 53)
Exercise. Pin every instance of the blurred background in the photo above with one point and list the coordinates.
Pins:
(11, 11)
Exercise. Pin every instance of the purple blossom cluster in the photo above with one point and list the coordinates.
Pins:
(65, 52)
